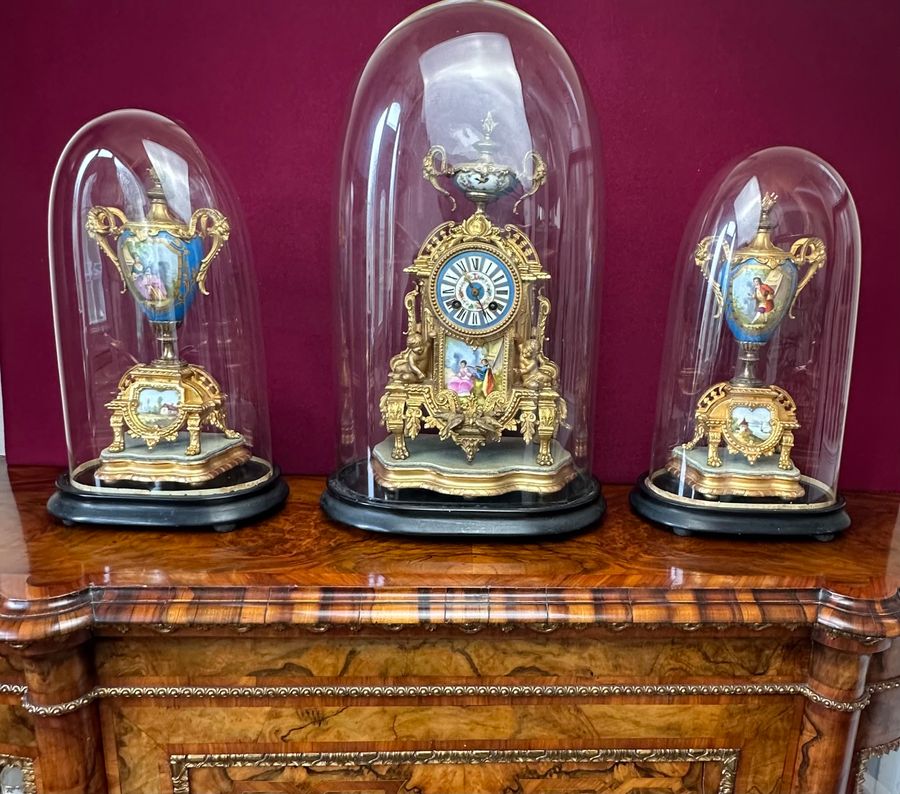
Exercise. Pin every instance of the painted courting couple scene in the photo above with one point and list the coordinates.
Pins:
(472, 371)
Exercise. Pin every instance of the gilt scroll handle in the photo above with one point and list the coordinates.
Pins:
(434, 165)
(538, 175)
(213, 224)
(103, 222)
(809, 251)
(702, 258)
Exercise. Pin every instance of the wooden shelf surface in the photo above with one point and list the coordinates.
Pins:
(298, 568)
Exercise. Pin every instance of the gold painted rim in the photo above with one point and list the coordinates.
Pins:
(239, 488)
(737, 507)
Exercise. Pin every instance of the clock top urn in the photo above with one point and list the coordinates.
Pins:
(756, 368)
(469, 213)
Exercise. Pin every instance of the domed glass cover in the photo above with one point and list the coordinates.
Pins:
(468, 270)
(160, 357)
(756, 368)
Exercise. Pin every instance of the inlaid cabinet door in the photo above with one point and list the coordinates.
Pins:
(451, 713)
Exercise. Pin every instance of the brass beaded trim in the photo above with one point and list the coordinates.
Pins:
(182, 764)
(448, 690)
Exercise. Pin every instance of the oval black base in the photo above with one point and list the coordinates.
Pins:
(221, 513)
(823, 524)
(445, 517)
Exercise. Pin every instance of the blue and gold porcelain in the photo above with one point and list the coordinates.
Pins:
(160, 260)
(756, 288)
(162, 408)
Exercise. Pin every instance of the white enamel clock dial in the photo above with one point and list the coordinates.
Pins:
(475, 292)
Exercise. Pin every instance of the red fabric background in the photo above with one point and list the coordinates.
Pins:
(680, 89)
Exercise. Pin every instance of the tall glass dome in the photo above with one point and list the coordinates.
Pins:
(160, 354)
(468, 281)
(759, 348)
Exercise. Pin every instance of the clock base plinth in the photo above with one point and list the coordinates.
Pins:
(651, 499)
(498, 468)
(576, 506)
(168, 461)
(735, 476)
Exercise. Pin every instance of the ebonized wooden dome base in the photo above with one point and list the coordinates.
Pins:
(578, 506)
(223, 512)
(685, 519)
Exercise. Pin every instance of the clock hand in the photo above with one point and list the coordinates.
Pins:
(468, 278)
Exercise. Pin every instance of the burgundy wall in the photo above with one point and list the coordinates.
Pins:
(680, 89)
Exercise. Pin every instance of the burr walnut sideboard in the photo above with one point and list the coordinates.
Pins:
(299, 656)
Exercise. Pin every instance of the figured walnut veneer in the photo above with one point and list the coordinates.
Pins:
(296, 655)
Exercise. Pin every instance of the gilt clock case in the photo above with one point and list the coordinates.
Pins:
(161, 365)
(759, 350)
(467, 281)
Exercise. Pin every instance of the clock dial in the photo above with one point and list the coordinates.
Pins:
(475, 291)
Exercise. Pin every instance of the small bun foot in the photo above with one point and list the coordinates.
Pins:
(682, 532)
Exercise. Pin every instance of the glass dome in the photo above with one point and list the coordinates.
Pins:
(157, 331)
(759, 347)
(468, 281)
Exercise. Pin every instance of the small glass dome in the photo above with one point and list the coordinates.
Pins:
(756, 368)
(157, 330)
(468, 276)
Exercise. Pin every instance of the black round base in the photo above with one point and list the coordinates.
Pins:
(222, 513)
(822, 524)
(438, 515)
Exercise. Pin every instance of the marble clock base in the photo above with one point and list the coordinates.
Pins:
(497, 495)
(497, 469)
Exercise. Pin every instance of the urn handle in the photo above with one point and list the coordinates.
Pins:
(809, 251)
(213, 224)
(703, 259)
(104, 222)
(538, 175)
(434, 164)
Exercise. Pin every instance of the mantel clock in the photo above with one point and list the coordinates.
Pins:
(474, 367)
(469, 207)
(758, 450)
